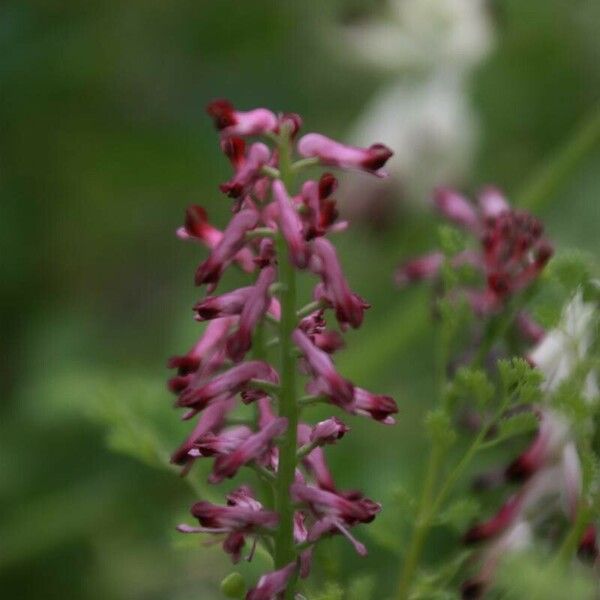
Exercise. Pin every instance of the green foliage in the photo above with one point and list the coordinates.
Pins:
(332, 591)
(439, 584)
(470, 386)
(571, 269)
(530, 576)
(361, 588)
(439, 427)
(459, 514)
(134, 410)
(520, 382)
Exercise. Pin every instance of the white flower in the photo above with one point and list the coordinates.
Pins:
(564, 348)
(427, 50)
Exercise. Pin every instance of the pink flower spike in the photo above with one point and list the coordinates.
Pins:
(378, 407)
(291, 226)
(257, 303)
(230, 122)
(456, 208)
(247, 172)
(223, 253)
(272, 584)
(419, 269)
(328, 431)
(231, 382)
(336, 154)
(331, 383)
(250, 449)
(349, 307)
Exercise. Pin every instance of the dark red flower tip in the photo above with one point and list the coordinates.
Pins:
(293, 122)
(499, 283)
(185, 364)
(379, 154)
(327, 185)
(472, 590)
(588, 549)
(520, 469)
(196, 220)
(222, 113)
(544, 254)
(234, 149)
(178, 383)
(208, 272)
(233, 190)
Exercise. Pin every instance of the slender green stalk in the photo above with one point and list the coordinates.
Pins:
(422, 525)
(288, 407)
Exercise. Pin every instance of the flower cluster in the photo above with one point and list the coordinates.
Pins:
(511, 252)
(549, 470)
(274, 233)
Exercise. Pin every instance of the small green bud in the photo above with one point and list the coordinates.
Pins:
(233, 586)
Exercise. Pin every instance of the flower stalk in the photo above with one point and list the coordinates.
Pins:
(288, 407)
(275, 235)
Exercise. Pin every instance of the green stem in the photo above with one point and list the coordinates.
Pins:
(288, 407)
(422, 525)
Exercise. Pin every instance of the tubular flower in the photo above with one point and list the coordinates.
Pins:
(511, 250)
(257, 340)
(332, 153)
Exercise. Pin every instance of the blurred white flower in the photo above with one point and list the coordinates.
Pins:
(427, 49)
(562, 349)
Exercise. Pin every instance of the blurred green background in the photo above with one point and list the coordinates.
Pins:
(104, 142)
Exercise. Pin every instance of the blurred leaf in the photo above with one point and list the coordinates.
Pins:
(459, 514)
(361, 588)
(522, 576)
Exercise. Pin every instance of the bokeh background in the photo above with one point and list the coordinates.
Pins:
(104, 142)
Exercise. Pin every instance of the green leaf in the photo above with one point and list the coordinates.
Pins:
(439, 428)
(520, 381)
(470, 386)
